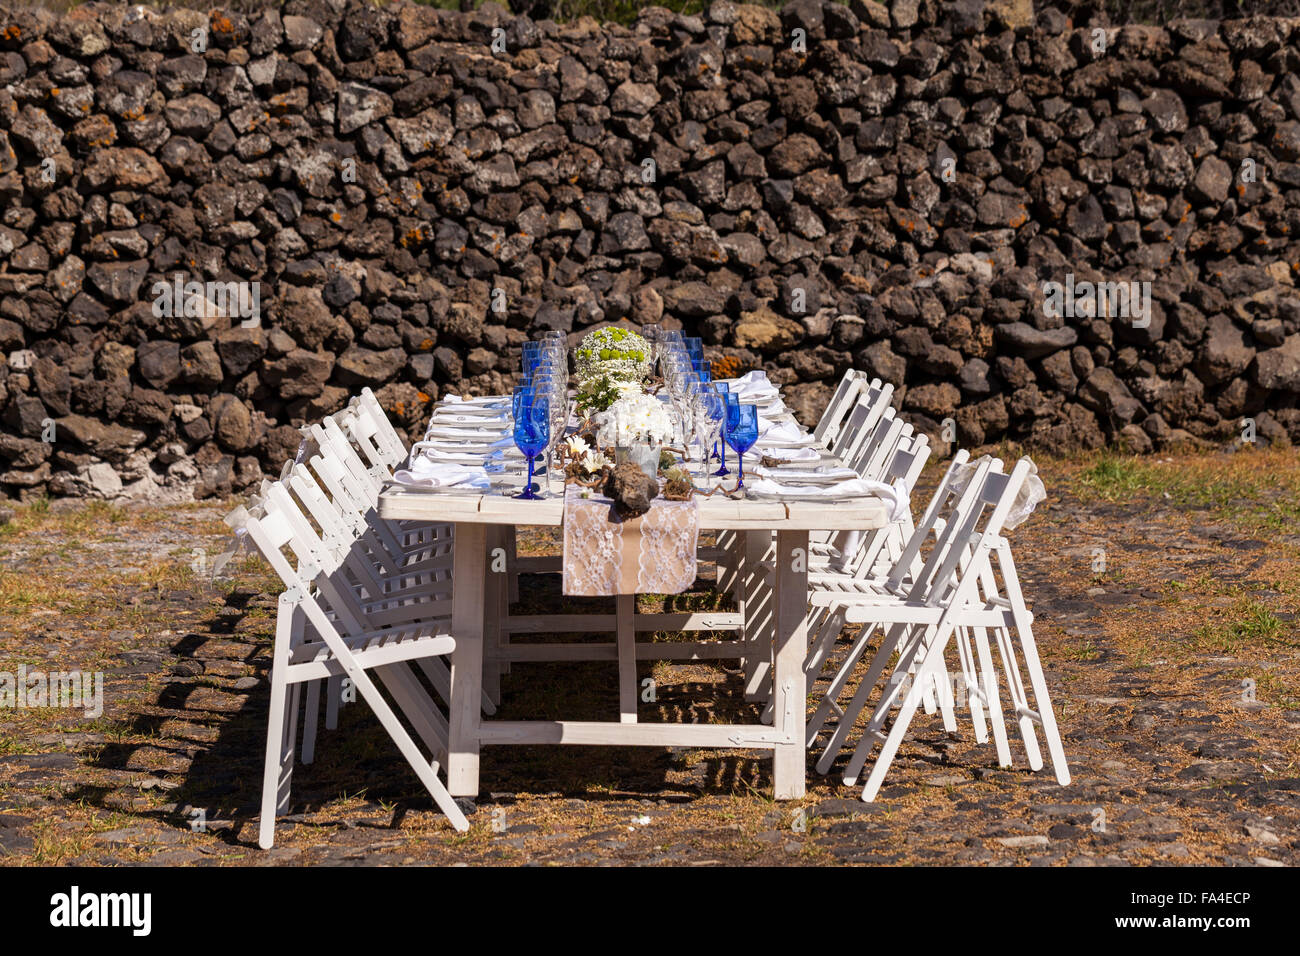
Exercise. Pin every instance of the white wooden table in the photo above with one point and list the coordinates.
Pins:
(777, 612)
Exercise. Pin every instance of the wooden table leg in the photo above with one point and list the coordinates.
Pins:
(495, 591)
(468, 583)
(512, 596)
(626, 630)
(790, 691)
(752, 552)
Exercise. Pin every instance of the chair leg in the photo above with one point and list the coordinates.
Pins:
(333, 696)
(992, 697)
(830, 700)
(309, 723)
(970, 682)
(910, 649)
(1036, 677)
(893, 637)
(277, 768)
(1019, 700)
(904, 717)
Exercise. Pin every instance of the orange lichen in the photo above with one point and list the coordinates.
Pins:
(727, 366)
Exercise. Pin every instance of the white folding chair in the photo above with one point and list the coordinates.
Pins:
(888, 562)
(376, 427)
(857, 553)
(837, 409)
(324, 630)
(413, 558)
(954, 596)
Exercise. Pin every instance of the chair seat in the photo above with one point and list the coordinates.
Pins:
(314, 660)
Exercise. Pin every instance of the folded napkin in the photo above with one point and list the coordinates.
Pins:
(784, 432)
(424, 472)
(753, 386)
(791, 454)
(894, 496)
(464, 434)
(490, 400)
(803, 474)
(483, 417)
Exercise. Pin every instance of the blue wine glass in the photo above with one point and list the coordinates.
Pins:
(742, 435)
(532, 429)
(532, 355)
(732, 415)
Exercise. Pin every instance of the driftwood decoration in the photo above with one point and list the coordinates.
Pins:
(632, 490)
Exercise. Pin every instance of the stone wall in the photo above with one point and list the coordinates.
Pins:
(412, 193)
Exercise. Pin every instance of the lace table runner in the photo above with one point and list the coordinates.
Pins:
(650, 554)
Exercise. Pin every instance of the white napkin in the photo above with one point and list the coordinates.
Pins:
(752, 385)
(491, 400)
(800, 474)
(464, 434)
(787, 433)
(482, 416)
(424, 472)
(791, 454)
(894, 496)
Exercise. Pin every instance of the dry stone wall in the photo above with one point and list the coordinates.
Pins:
(214, 227)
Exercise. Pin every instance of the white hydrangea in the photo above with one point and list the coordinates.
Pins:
(636, 418)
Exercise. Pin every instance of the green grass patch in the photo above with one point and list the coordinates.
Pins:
(1250, 625)
(1257, 491)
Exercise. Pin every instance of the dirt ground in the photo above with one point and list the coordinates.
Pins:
(1165, 593)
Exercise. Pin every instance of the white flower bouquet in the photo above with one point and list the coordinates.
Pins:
(635, 419)
(615, 353)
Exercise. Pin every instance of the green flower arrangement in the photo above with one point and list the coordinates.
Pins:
(599, 391)
(615, 353)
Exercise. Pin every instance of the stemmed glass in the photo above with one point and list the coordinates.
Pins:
(680, 378)
(669, 342)
(731, 406)
(710, 414)
(651, 333)
(532, 429)
(532, 357)
(547, 382)
(742, 435)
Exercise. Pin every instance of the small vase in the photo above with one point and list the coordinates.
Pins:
(644, 456)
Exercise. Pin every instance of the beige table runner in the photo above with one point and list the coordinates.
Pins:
(650, 554)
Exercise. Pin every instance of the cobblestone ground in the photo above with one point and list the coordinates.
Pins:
(1174, 673)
